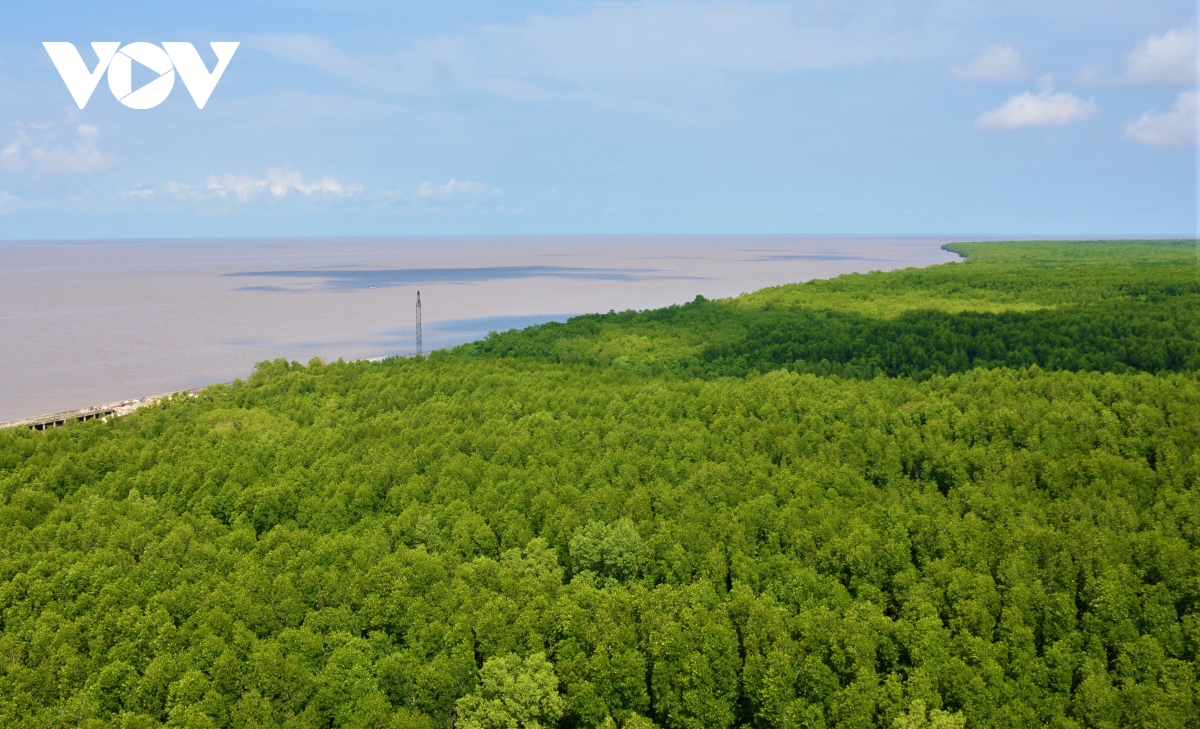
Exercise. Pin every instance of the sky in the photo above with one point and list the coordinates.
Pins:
(965, 117)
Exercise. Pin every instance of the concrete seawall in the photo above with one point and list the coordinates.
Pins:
(112, 409)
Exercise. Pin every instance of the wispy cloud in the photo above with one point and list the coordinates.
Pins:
(138, 192)
(431, 62)
(622, 41)
(1169, 59)
(289, 109)
(8, 202)
(278, 182)
(81, 158)
(12, 157)
(1045, 108)
(1176, 126)
(563, 56)
(452, 188)
(283, 182)
(995, 63)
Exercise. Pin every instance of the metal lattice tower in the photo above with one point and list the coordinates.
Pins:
(418, 323)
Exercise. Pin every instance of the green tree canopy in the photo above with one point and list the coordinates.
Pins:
(495, 538)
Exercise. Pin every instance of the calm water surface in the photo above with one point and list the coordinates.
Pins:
(84, 323)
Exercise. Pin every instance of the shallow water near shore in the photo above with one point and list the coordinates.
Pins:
(90, 322)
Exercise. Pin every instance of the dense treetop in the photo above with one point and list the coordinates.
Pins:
(1109, 307)
(506, 536)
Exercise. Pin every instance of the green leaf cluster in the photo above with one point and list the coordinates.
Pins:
(510, 541)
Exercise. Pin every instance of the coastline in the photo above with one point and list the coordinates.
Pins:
(205, 313)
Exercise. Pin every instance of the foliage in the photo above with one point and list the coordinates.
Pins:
(1064, 306)
(510, 541)
(512, 694)
(917, 718)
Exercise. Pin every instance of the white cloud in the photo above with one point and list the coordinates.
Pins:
(1169, 59)
(242, 187)
(81, 159)
(140, 192)
(453, 187)
(8, 202)
(1176, 126)
(996, 63)
(279, 181)
(11, 158)
(1045, 108)
(283, 180)
(647, 55)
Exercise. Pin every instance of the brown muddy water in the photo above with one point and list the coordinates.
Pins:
(83, 323)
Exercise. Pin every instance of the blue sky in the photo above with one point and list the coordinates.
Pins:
(997, 117)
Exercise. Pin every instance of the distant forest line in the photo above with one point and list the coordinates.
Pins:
(1121, 307)
(958, 496)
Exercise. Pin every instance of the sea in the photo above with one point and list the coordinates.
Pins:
(90, 322)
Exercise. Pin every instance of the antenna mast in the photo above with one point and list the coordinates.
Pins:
(418, 323)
